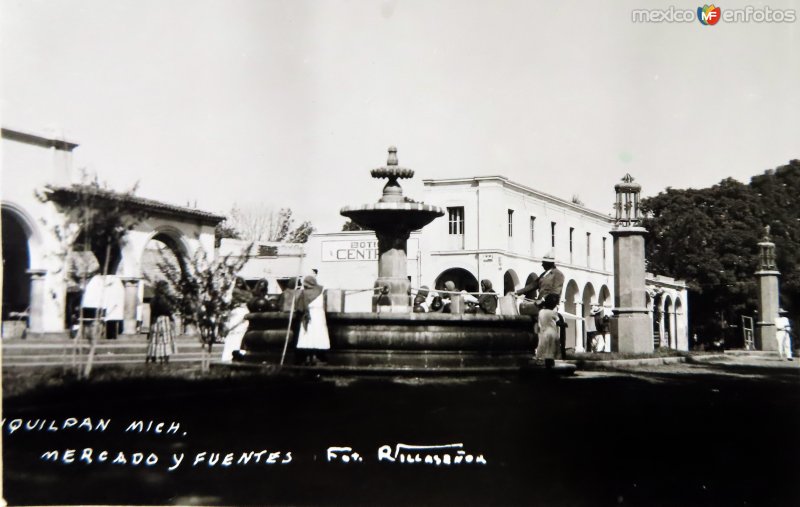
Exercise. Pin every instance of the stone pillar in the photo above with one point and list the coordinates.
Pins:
(768, 295)
(392, 273)
(36, 304)
(630, 325)
(131, 302)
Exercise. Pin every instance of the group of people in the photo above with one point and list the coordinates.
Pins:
(442, 302)
(539, 298)
(304, 300)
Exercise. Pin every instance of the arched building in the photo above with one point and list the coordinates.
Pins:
(38, 288)
(499, 230)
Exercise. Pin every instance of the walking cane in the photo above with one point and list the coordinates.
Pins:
(291, 315)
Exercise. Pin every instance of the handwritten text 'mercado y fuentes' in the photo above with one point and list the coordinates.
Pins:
(87, 424)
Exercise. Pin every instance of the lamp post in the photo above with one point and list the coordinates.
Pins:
(768, 295)
(630, 326)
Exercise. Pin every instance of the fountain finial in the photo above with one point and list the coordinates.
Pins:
(392, 160)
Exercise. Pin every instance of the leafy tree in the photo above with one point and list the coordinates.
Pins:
(96, 219)
(224, 230)
(201, 291)
(301, 233)
(352, 226)
(709, 237)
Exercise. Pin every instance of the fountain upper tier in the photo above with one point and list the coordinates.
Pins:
(393, 211)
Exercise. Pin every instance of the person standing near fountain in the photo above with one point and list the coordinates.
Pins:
(783, 329)
(236, 325)
(313, 341)
(549, 342)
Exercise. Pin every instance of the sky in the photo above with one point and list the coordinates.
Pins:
(290, 103)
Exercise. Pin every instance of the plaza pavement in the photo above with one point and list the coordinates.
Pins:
(721, 430)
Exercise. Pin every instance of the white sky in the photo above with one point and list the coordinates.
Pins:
(290, 103)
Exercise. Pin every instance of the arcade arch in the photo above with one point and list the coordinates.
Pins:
(16, 263)
(586, 311)
(510, 281)
(570, 306)
(463, 279)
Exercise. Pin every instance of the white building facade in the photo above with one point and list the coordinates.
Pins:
(36, 238)
(499, 230)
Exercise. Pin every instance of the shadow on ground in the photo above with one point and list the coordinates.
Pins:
(719, 435)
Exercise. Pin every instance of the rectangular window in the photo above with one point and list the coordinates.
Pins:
(510, 223)
(552, 234)
(571, 230)
(455, 220)
(533, 226)
(588, 249)
(604, 254)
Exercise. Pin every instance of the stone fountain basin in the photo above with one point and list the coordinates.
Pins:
(410, 215)
(412, 340)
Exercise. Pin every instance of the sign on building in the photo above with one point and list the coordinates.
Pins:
(360, 250)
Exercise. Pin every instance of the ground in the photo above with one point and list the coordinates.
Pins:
(719, 433)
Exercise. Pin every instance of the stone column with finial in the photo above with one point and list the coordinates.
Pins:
(630, 326)
(768, 295)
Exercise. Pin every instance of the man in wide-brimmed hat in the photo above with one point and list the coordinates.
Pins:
(552, 280)
(783, 333)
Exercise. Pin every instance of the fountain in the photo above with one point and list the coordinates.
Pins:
(391, 337)
(392, 218)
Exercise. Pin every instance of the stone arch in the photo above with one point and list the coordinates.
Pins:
(570, 306)
(98, 253)
(587, 299)
(604, 297)
(510, 281)
(668, 319)
(463, 278)
(31, 229)
(16, 244)
(168, 244)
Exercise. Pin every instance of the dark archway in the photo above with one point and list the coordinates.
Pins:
(162, 249)
(16, 263)
(96, 246)
(510, 281)
(463, 279)
(668, 330)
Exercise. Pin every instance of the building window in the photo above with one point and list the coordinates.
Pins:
(604, 254)
(552, 234)
(533, 226)
(455, 220)
(588, 249)
(571, 230)
(510, 223)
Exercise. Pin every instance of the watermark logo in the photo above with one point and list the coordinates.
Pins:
(709, 15)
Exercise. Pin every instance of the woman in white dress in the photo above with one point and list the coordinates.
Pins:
(313, 340)
(236, 325)
(549, 346)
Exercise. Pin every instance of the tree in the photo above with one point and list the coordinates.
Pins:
(352, 226)
(96, 219)
(224, 230)
(261, 223)
(709, 237)
(201, 289)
